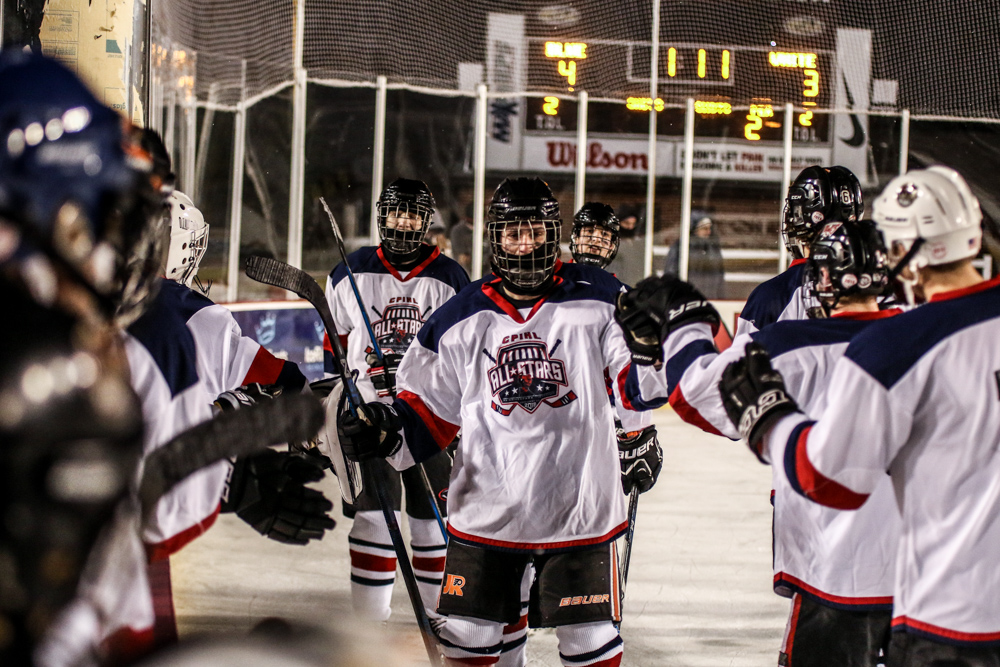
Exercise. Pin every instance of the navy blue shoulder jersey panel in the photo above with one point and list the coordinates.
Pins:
(769, 299)
(789, 335)
(364, 260)
(163, 331)
(889, 348)
(581, 281)
(183, 299)
(448, 271)
(463, 305)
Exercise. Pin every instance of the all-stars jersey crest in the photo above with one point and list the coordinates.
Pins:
(398, 303)
(537, 467)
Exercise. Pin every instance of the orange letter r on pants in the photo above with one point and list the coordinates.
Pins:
(454, 585)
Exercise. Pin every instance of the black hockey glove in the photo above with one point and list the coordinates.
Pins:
(383, 373)
(269, 492)
(374, 433)
(249, 394)
(655, 307)
(754, 396)
(641, 459)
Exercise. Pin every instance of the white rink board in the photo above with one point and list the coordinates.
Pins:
(699, 591)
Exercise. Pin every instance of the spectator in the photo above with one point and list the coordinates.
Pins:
(629, 263)
(704, 260)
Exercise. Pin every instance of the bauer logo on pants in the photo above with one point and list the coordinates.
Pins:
(584, 599)
(454, 585)
(525, 374)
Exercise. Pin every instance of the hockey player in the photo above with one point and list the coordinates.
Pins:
(517, 362)
(401, 282)
(919, 390)
(818, 195)
(836, 566)
(595, 239)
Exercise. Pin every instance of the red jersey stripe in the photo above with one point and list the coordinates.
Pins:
(264, 368)
(442, 431)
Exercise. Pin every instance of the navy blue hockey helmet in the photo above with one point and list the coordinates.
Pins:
(846, 259)
(595, 236)
(523, 226)
(819, 195)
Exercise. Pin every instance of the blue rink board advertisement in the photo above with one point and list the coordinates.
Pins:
(289, 330)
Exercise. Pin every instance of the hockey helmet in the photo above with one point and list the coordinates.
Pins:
(595, 236)
(846, 259)
(405, 209)
(73, 183)
(819, 195)
(188, 239)
(523, 226)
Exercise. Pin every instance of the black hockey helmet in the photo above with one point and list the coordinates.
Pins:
(524, 226)
(404, 198)
(846, 259)
(600, 245)
(819, 195)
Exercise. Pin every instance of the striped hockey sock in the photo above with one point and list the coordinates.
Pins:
(589, 645)
(373, 566)
(428, 548)
(470, 641)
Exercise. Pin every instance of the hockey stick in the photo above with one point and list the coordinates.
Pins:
(278, 274)
(425, 480)
(633, 509)
(230, 435)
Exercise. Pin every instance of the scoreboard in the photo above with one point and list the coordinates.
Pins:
(739, 92)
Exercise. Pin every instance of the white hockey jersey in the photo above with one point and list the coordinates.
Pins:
(840, 559)
(537, 466)
(398, 304)
(921, 391)
(163, 363)
(780, 298)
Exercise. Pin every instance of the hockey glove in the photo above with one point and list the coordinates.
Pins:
(383, 373)
(249, 394)
(754, 396)
(655, 307)
(641, 459)
(373, 433)
(269, 492)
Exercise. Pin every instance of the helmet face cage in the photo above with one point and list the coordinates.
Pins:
(846, 259)
(525, 251)
(595, 236)
(188, 239)
(402, 227)
(818, 196)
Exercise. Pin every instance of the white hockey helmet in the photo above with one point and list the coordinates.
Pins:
(188, 238)
(936, 206)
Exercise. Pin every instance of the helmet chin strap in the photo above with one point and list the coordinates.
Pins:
(895, 274)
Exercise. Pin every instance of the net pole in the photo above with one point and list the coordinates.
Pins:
(190, 143)
(904, 141)
(654, 84)
(236, 195)
(686, 189)
(296, 186)
(786, 180)
(479, 189)
(378, 146)
(581, 151)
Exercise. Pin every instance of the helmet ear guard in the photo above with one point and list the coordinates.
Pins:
(594, 249)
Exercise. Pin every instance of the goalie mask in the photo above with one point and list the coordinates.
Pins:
(405, 209)
(928, 217)
(188, 239)
(819, 195)
(595, 235)
(523, 227)
(846, 259)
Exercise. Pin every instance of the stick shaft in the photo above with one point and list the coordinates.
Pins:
(633, 510)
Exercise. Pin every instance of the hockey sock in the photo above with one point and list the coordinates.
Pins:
(470, 641)
(589, 645)
(428, 547)
(515, 637)
(373, 566)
